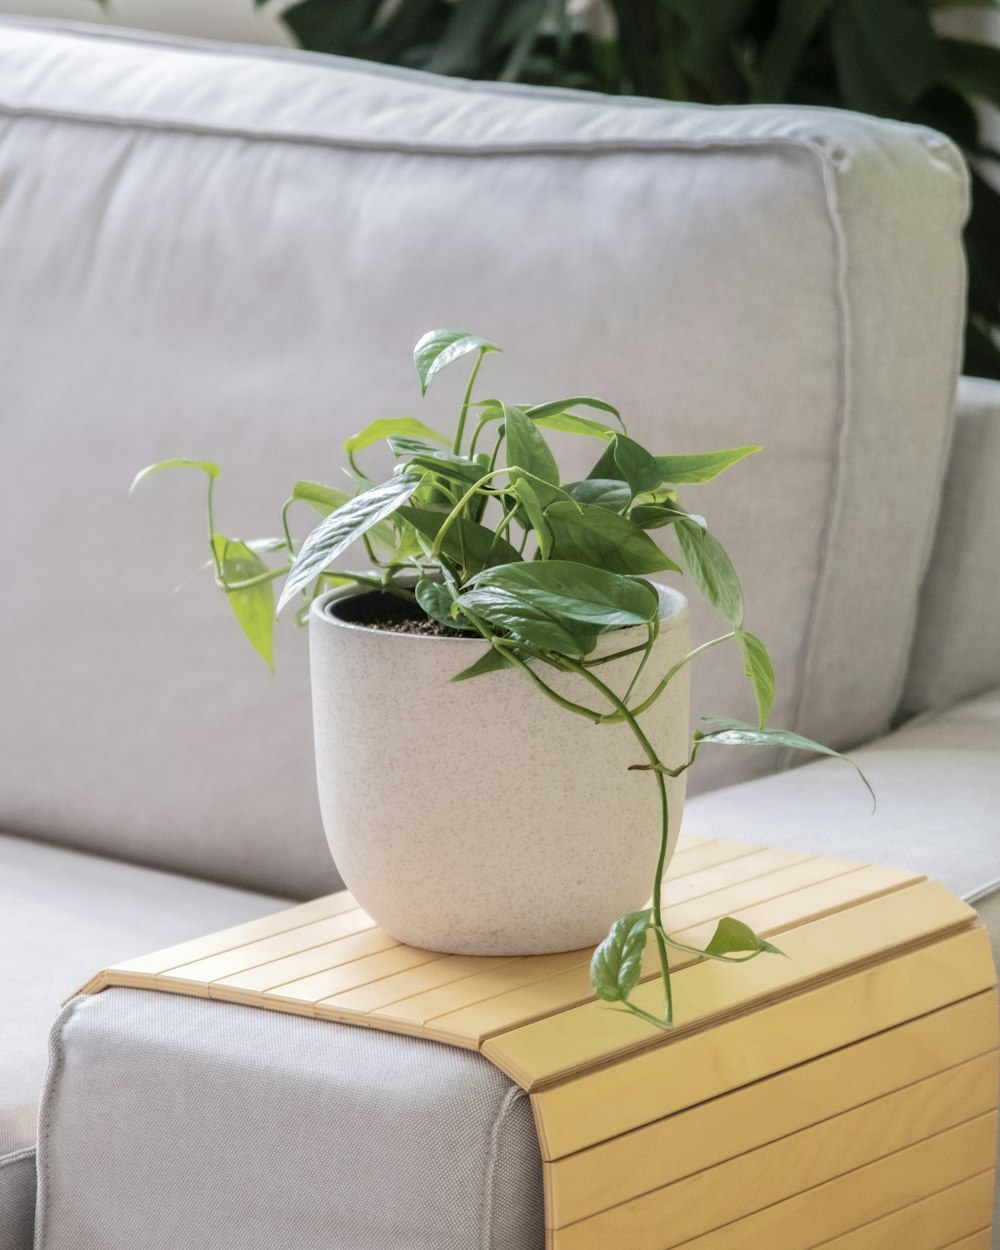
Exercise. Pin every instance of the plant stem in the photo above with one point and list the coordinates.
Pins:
(211, 531)
(456, 446)
(269, 576)
(661, 858)
(672, 673)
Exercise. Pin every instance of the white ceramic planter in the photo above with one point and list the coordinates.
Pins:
(478, 817)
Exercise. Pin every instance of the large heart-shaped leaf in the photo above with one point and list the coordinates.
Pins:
(757, 666)
(712, 570)
(440, 348)
(590, 534)
(701, 467)
(616, 966)
(559, 606)
(336, 532)
(254, 606)
(734, 733)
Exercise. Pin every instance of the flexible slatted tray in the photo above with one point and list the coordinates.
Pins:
(844, 1096)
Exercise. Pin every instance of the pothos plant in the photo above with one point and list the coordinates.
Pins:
(479, 532)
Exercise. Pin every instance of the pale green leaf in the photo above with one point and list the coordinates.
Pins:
(439, 348)
(253, 607)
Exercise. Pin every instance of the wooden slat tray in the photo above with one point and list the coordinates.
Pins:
(845, 1096)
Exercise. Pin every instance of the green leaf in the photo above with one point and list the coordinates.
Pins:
(793, 30)
(404, 446)
(734, 733)
(454, 469)
(440, 348)
(336, 532)
(711, 570)
(323, 498)
(254, 606)
(590, 534)
(899, 44)
(467, 543)
(559, 606)
(625, 460)
(654, 516)
(702, 466)
(757, 666)
(488, 663)
(556, 407)
(526, 448)
(527, 496)
(387, 427)
(570, 423)
(602, 492)
(973, 69)
(732, 937)
(616, 965)
(436, 601)
(206, 466)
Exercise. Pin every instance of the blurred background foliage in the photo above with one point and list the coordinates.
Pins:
(885, 57)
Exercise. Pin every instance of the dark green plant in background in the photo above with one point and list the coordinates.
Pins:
(874, 56)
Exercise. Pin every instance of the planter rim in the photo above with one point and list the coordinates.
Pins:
(673, 614)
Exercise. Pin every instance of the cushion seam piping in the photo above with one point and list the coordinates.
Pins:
(539, 147)
(489, 1174)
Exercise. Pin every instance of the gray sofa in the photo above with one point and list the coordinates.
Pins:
(227, 252)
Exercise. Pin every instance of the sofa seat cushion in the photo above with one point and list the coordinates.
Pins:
(243, 1129)
(63, 915)
(937, 782)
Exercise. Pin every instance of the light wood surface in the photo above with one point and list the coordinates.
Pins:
(843, 1096)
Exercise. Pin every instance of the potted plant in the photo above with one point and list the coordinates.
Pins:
(501, 697)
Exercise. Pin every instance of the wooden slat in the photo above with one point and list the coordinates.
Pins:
(505, 1012)
(838, 1206)
(932, 1223)
(240, 935)
(705, 855)
(353, 975)
(714, 879)
(251, 955)
(659, 1081)
(592, 1035)
(734, 1124)
(778, 1171)
(787, 879)
(418, 1009)
(358, 1004)
(252, 982)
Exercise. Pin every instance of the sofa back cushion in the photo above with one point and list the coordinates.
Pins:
(224, 253)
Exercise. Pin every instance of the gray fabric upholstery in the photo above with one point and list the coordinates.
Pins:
(63, 917)
(230, 253)
(17, 1200)
(956, 651)
(242, 1129)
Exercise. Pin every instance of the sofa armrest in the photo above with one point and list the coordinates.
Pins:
(170, 1121)
(956, 648)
